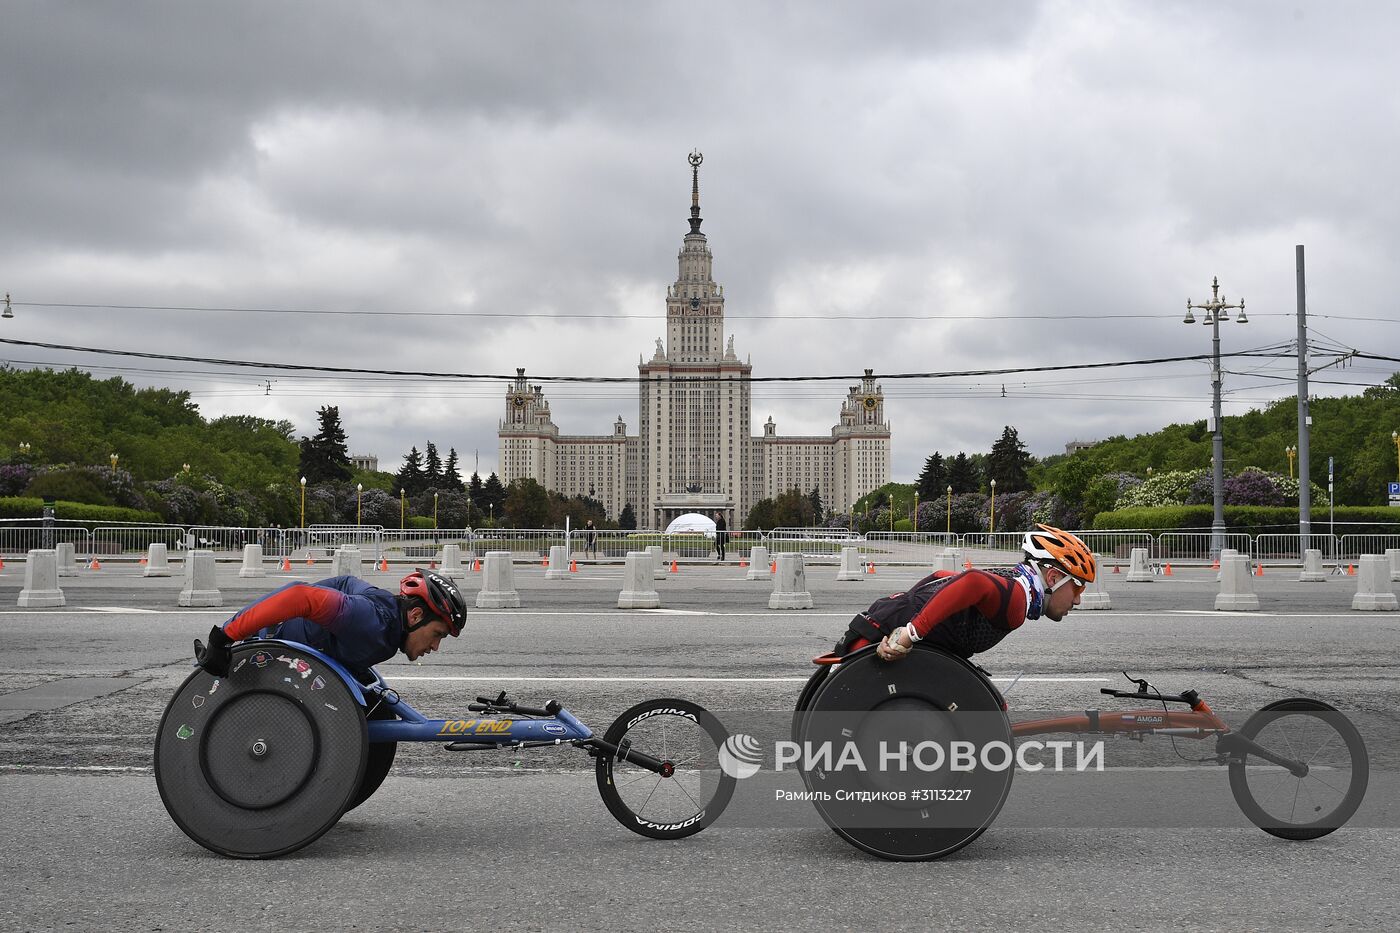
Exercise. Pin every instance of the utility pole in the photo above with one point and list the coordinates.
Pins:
(1217, 310)
(1304, 419)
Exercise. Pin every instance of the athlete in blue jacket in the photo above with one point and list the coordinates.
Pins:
(348, 619)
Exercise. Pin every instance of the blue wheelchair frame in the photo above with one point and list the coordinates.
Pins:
(552, 725)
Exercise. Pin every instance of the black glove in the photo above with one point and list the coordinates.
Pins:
(215, 658)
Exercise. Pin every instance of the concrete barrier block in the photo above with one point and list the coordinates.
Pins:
(1095, 596)
(67, 562)
(951, 558)
(1392, 554)
(638, 583)
(558, 563)
(347, 562)
(1224, 553)
(658, 566)
(498, 583)
(157, 561)
(1138, 569)
(252, 561)
(201, 588)
(851, 568)
(758, 563)
(1373, 585)
(790, 584)
(451, 563)
(41, 581)
(1312, 567)
(1236, 586)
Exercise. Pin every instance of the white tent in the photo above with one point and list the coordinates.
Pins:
(692, 523)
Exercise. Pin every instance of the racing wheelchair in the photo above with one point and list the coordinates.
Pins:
(1298, 768)
(264, 761)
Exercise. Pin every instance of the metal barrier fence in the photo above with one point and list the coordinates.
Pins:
(1351, 547)
(135, 540)
(902, 547)
(1193, 547)
(1288, 548)
(227, 543)
(18, 538)
(424, 544)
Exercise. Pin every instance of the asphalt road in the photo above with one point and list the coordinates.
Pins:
(505, 840)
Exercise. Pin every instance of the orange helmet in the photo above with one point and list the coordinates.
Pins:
(1061, 550)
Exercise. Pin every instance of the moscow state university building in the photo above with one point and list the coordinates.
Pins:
(694, 450)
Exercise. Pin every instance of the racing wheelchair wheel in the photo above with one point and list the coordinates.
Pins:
(1313, 805)
(261, 762)
(690, 793)
(378, 761)
(885, 748)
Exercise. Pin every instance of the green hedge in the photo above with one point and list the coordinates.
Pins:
(1250, 519)
(25, 507)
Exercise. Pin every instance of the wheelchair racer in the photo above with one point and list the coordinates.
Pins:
(970, 612)
(355, 622)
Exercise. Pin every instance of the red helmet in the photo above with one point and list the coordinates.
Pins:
(440, 594)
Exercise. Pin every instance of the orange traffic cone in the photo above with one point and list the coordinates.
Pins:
(742, 564)
(383, 563)
(1166, 570)
(1117, 569)
(141, 562)
(573, 566)
(967, 564)
(286, 564)
(1258, 570)
(94, 565)
(544, 561)
(476, 565)
(870, 567)
(2, 563)
(1215, 564)
(674, 568)
(1351, 570)
(310, 560)
(773, 567)
(432, 565)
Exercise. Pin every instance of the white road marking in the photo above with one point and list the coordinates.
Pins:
(120, 609)
(688, 680)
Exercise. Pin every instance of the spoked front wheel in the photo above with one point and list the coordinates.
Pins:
(685, 789)
(1300, 806)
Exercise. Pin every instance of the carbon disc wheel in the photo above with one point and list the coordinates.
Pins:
(890, 786)
(262, 762)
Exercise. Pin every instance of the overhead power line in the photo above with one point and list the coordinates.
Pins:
(301, 367)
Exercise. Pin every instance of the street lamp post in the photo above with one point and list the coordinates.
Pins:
(1291, 452)
(950, 510)
(1217, 310)
(113, 458)
(435, 495)
(1395, 436)
(359, 495)
(992, 525)
(401, 512)
(303, 502)
(916, 511)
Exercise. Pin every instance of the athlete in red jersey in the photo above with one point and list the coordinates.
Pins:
(969, 612)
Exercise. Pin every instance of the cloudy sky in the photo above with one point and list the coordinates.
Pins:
(466, 188)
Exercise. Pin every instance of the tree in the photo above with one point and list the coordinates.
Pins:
(450, 477)
(474, 493)
(410, 476)
(933, 481)
(762, 516)
(432, 466)
(962, 475)
(1008, 463)
(815, 498)
(527, 504)
(325, 456)
(628, 519)
(494, 496)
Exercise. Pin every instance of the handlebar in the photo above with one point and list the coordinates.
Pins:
(1189, 697)
(503, 704)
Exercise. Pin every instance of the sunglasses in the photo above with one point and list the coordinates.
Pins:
(1078, 584)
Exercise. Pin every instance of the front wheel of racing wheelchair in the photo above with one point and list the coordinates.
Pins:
(262, 762)
(888, 784)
